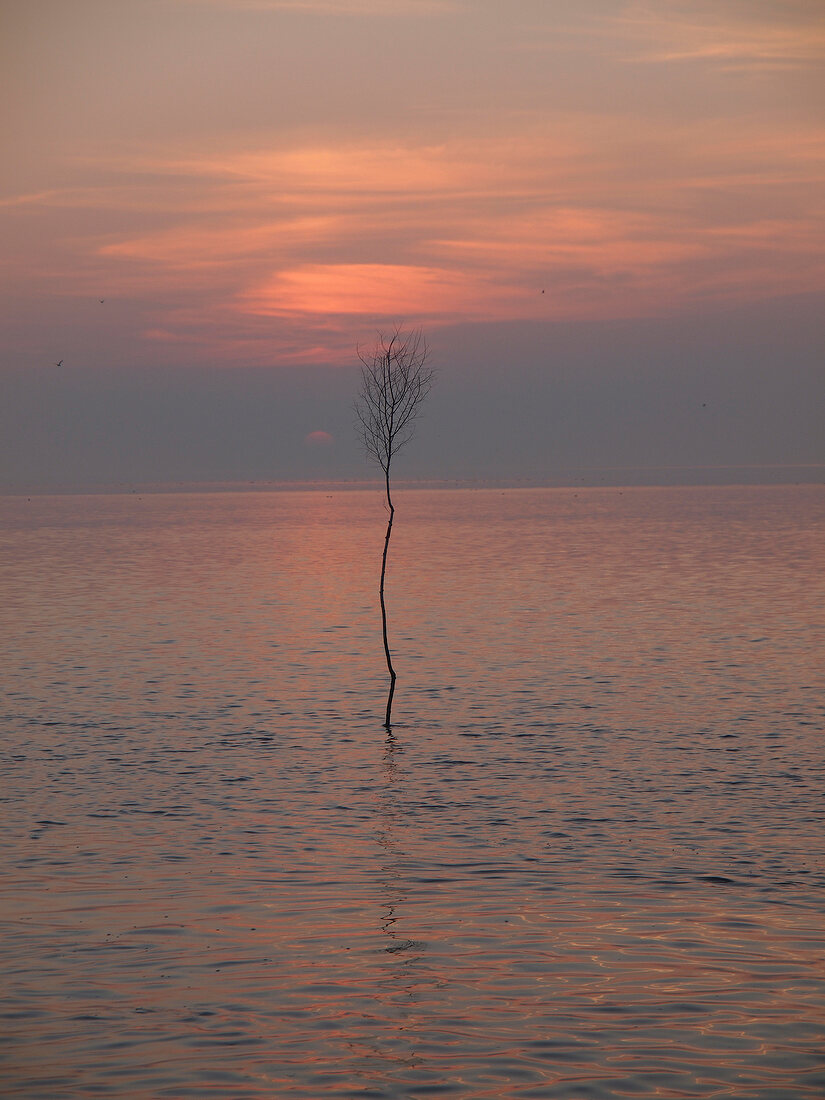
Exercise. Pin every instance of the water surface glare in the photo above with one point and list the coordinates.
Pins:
(588, 862)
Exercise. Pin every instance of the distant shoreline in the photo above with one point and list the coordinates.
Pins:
(573, 478)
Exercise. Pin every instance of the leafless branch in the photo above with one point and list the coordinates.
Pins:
(395, 379)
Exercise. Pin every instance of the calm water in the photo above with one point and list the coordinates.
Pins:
(589, 863)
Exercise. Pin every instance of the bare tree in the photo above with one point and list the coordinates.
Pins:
(395, 379)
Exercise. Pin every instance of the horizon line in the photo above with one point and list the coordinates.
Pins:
(572, 477)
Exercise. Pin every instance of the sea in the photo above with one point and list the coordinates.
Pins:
(586, 861)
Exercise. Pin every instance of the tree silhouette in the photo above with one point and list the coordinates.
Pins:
(395, 379)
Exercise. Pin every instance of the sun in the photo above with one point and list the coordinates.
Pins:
(319, 440)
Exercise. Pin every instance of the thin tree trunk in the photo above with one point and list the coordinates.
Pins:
(383, 605)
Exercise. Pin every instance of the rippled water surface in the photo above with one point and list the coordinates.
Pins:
(587, 863)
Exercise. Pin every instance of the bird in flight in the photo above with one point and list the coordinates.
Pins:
(101, 300)
(60, 364)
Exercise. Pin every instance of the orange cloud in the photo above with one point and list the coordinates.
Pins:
(188, 247)
(730, 36)
(388, 290)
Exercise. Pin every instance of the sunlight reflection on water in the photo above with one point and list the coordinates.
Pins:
(587, 863)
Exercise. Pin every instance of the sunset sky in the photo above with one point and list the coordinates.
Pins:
(607, 217)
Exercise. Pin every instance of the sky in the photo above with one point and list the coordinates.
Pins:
(607, 218)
